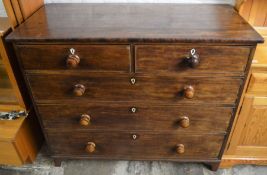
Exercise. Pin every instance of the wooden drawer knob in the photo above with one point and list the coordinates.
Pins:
(193, 59)
(73, 60)
(180, 149)
(189, 91)
(85, 120)
(90, 147)
(79, 90)
(184, 122)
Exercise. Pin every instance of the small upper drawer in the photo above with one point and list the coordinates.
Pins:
(258, 84)
(87, 57)
(191, 59)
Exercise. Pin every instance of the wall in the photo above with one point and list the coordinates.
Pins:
(2, 11)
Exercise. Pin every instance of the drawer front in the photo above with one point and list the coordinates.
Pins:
(112, 116)
(118, 87)
(92, 57)
(212, 59)
(135, 145)
(258, 84)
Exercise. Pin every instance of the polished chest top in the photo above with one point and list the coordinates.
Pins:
(135, 81)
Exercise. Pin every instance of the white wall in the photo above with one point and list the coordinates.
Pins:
(2, 11)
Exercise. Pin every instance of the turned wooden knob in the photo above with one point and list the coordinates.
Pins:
(85, 120)
(193, 59)
(184, 122)
(90, 147)
(79, 90)
(73, 60)
(189, 91)
(180, 149)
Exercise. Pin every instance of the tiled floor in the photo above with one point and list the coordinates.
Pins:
(44, 166)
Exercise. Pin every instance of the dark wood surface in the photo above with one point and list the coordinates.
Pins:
(92, 57)
(153, 145)
(100, 87)
(148, 42)
(136, 23)
(157, 58)
(215, 59)
(118, 116)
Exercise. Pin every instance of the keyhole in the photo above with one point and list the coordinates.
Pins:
(133, 80)
(72, 51)
(134, 136)
(193, 51)
(133, 110)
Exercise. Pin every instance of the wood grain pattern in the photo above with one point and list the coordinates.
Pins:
(92, 57)
(165, 23)
(260, 61)
(247, 144)
(118, 116)
(230, 161)
(255, 12)
(15, 74)
(251, 147)
(133, 104)
(254, 132)
(8, 98)
(10, 90)
(121, 145)
(19, 10)
(239, 3)
(258, 13)
(29, 139)
(20, 142)
(10, 128)
(28, 7)
(245, 9)
(258, 84)
(231, 143)
(252, 151)
(9, 154)
(10, 13)
(21, 139)
(108, 87)
(215, 59)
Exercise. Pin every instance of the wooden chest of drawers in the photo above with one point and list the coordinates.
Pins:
(138, 82)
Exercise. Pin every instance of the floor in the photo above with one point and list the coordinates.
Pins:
(44, 166)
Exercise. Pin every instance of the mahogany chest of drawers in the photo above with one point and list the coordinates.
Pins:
(135, 81)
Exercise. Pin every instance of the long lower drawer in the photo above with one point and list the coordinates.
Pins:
(132, 116)
(77, 87)
(135, 145)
